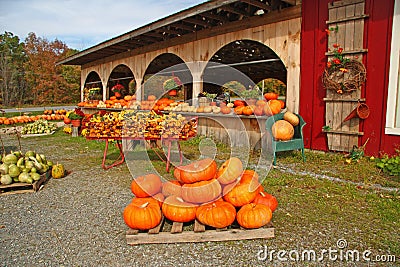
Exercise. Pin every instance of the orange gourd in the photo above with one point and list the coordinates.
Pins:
(254, 215)
(176, 209)
(266, 199)
(230, 170)
(282, 130)
(146, 185)
(170, 188)
(201, 170)
(270, 96)
(201, 192)
(218, 214)
(142, 216)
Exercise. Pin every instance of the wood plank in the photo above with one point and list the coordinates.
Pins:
(198, 226)
(177, 227)
(343, 3)
(207, 236)
(344, 100)
(358, 17)
(343, 132)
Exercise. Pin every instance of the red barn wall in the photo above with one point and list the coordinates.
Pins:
(377, 38)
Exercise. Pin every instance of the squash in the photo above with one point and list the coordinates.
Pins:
(270, 96)
(142, 216)
(200, 170)
(238, 110)
(230, 170)
(273, 107)
(146, 185)
(172, 187)
(176, 209)
(226, 110)
(282, 130)
(201, 192)
(248, 110)
(266, 199)
(253, 215)
(218, 214)
(240, 192)
(58, 171)
(292, 118)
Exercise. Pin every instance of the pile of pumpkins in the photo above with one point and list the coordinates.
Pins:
(214, 196)
(283, 130)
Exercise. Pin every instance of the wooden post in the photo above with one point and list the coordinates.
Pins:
(75, 131)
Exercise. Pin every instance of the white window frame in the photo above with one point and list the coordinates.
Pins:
(393, 100)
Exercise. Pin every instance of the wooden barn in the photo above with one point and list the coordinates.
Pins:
(287, 40)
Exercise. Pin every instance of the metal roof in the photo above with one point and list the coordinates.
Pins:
(208, 18)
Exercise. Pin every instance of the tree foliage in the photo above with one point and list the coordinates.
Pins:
(29, 74)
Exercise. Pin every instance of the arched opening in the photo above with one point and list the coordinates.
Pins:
(171, 71)
(254, 59)
(121, 82)
(93, 88)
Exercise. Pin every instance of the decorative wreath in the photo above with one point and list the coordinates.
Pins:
(344, 78)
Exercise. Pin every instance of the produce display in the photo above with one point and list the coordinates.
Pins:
(24, 168)
(140, 124)
(215, 196)
(50, 115)
(39, 127)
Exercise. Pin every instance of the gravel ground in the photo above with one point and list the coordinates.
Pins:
(77, 221)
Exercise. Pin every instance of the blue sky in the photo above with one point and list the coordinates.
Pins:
(83, 23)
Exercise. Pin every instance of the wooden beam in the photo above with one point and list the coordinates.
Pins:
(258, 4)
(235, 11)
(197, 22)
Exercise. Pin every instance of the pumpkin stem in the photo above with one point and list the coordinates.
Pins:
(180, 199)
(262, 194)
(144, 205)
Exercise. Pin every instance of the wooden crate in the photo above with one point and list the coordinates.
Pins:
(200, 233)
(19, 188)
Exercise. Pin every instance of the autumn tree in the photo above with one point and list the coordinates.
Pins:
(49, 82)
(13, 87)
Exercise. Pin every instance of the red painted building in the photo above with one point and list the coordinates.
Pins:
(382, 127)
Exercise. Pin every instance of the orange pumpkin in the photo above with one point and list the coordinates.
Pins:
(146, 185)
(201, 170)
(238, 103)
(176, 209)
(113, 98)
(240, 193)
(218, 214)
(201, 192)
(239, 110)
(127, 98)
(230, 170)
(67, 120)
(259, 110)
(261, 103)
(170, 188)
(282, 130)
(254, 215)
(248, 110)
(266, 199)
(282, 103)
(270, 96)
(142, 216)
(273, 107)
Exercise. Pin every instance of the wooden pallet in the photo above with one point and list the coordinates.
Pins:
(200, 233)
(19, 188)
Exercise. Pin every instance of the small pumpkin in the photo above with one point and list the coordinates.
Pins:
(200, 170)
(146, 185)
(58, 171)
(292, 118)
(238, 110)
(266, 199)
(248, 110)
(259, 110)
(218, 214)
(254, 215)
(201, 192)
(151, 98)
(142, 216)
(238, 103)
(170, 188)
(226, 110)
(273, 107)
(176, 209)
(251, 177)
(282, 130)
(270, 96)
(230, 170)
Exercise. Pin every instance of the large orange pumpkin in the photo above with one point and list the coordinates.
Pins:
(142, 216)
(253, 215)
(238, 103)
(146, 185)
(282, 130)
(176, 209)
(201, 192)
(218, 214)
(200, 170)
(248, 110)
(240, 193)
(230, 170)
(266, 199)
(238, 110)
(170, 188)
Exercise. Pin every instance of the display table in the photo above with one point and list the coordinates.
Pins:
(150, 141)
